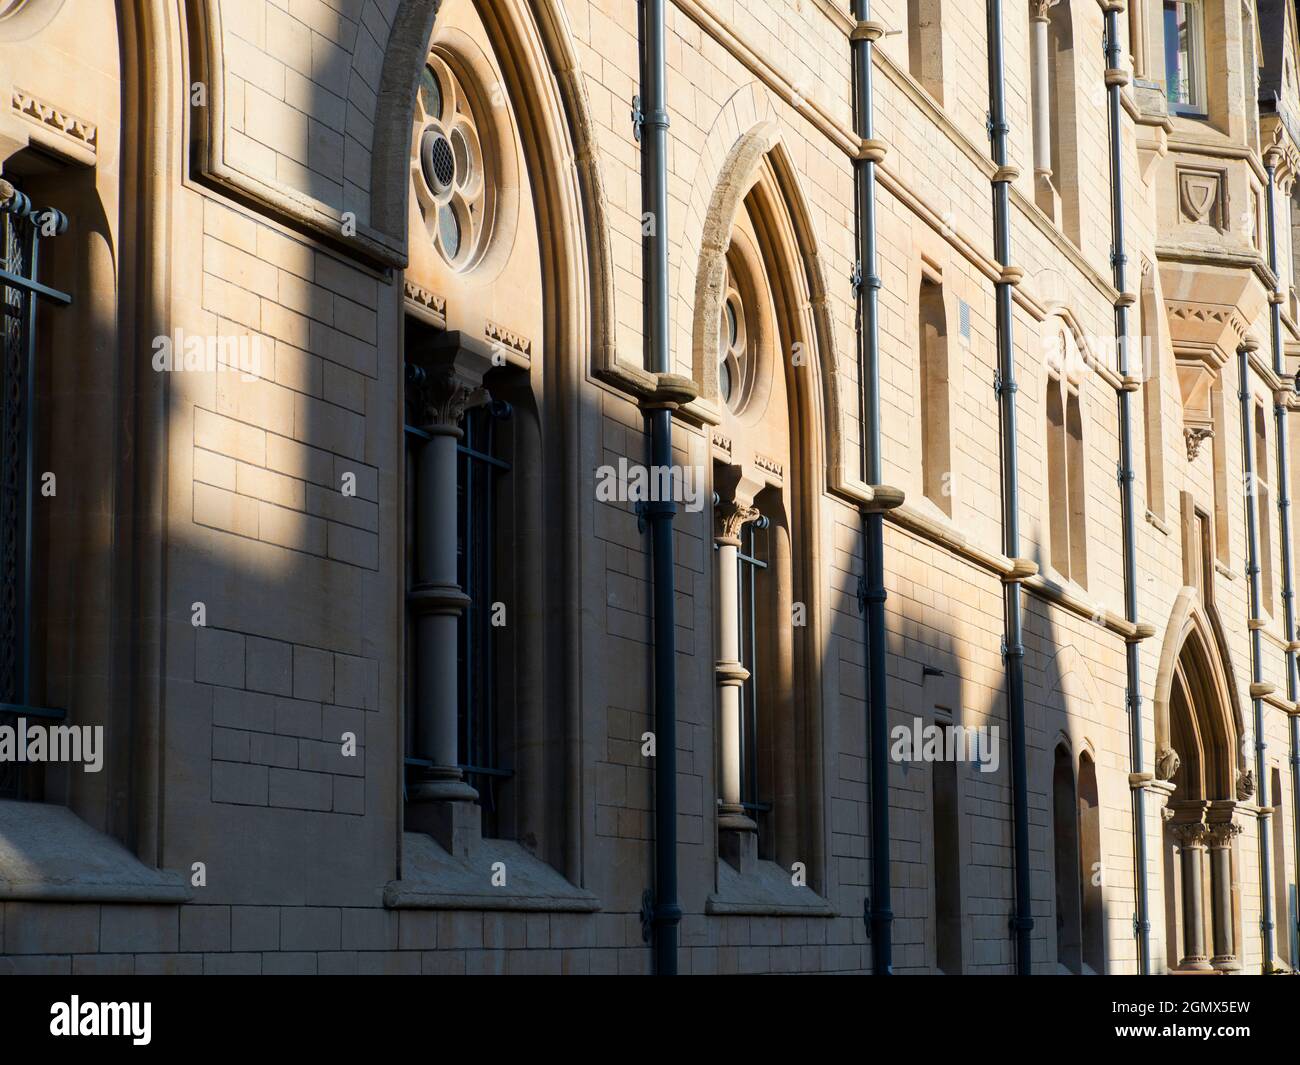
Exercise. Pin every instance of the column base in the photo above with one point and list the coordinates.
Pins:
(738, 841)
(1194, 965)
(448, 811)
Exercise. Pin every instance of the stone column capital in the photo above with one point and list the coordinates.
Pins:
(1190, 833)
(1222, 834)
(1039, 10)
(444, 379)
(730, 518)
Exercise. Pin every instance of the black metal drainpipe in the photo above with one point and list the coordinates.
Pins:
(653, 125)
(1116, 79)
(1256, 650)
(872, 595)
(1284, 512)
(1022, 922)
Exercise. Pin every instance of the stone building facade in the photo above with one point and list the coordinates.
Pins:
(333, 387)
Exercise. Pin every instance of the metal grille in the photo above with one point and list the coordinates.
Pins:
(478, 471)
(21, 230)
(13, 462)
(444, 163)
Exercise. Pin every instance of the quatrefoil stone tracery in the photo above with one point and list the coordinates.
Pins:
(451, 180)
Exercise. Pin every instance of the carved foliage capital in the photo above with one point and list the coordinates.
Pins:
(1195, 436)
(1190, 833)
(438, 398)
(1222, 834)
(732, 516)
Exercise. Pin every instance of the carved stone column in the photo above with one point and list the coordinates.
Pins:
(1040, 75)
(444, 380)
(1219, 838)
(1191, 845)
(736, 829)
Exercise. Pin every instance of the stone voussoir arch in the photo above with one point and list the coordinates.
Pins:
(1188, 621)
(745, 147)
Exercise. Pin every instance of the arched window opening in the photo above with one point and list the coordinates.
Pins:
(1091, 871)
(1065, 841)
(1066, 484)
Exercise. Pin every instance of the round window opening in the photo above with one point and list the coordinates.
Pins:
(451, 174)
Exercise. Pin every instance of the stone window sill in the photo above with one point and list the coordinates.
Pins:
(436, 880)
(765, 892)
(48, 854)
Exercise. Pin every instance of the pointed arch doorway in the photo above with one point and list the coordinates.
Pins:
(1197, 743)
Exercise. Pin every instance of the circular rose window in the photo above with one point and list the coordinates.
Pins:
(452, 182)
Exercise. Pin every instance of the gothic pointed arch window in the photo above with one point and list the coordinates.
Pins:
(1067, 493)
(766, 613)
(483, 765)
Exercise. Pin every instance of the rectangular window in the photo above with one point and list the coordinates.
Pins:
(1184, 57)
(751, 564)
(20, 238)
(478, 471)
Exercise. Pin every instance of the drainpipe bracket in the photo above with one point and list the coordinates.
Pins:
(1117, 6)
(647, 915)
(869, 30)
(1022, 569)
(1276, 297)
(872, 150)
(883, 497)
(1008, 172)
(1262, 689)
(1125, 299)
(1116, 77)
(1140, 780)
(1292, 647)
(1020, 924)
(1256, 623)
(638, 118)
(671, 392)
(1247, 346)
(652, 510)
(1130, 383)
(1012, 275)
(1142, 630)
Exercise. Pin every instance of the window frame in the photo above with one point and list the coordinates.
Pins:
(1197, 105)
(22, 229)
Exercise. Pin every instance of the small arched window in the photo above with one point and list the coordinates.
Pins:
(1065, 842)
(1066, 480)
